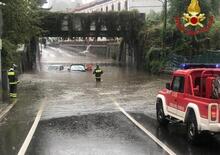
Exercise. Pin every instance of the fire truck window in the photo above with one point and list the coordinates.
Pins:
(197, 81)
(178, 84)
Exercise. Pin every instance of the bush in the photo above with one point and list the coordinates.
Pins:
(156, 66)
(155, 59)
(214, 35)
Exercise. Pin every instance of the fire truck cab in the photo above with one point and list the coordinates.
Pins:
(192, 97)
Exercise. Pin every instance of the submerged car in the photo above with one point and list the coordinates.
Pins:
(77, 67)
(55, 67)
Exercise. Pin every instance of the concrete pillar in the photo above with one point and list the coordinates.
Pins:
(5, 86)
(1, 25)
(1, 90)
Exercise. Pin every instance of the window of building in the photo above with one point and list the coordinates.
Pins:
(126, 5)
(119, 6)
(101, 9)
(113, 8)
(106, 8)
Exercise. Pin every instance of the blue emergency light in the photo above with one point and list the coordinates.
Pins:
(193, 66)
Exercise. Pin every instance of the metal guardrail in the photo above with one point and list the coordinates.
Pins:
(174, 60)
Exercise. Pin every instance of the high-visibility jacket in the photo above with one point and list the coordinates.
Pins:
(12, 77)
(98, 72)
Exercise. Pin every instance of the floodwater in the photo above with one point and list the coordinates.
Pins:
(79, 116)
(69, 92)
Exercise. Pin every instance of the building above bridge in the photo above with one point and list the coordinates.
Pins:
(143, 6)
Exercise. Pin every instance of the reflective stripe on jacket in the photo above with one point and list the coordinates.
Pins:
(11, 73)
(98, 71)
(12, 78)
(13, 82)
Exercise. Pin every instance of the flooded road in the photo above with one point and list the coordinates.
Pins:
(79, 116)
(106, 133)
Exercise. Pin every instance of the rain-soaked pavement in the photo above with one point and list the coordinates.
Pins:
(80, 117)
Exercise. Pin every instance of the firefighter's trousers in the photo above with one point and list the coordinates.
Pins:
(13, 90)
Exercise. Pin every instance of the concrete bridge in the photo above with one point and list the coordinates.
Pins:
(110, 24)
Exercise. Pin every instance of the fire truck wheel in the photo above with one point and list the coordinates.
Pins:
(192, 128)
(161, 118)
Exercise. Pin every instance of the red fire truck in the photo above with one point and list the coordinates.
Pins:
(192, 97)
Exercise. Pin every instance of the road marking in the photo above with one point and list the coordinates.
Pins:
(31, 132)
(5, 112)
(167, 149)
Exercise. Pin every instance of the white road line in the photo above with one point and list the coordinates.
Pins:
(168, 150)
(31, 132)
(4, 113)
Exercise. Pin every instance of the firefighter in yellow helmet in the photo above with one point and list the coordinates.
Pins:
(98, 72)
(13, 81)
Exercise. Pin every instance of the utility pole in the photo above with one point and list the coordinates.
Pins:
(1, 30)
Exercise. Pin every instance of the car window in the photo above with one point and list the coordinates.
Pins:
(178, 84)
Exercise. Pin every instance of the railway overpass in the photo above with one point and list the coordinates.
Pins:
(110, 24)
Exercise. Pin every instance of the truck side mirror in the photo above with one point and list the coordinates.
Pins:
(168, 86)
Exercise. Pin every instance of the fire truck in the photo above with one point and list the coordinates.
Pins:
(192, 98)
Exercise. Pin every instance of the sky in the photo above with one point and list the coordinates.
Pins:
(84, 1)
(87, 1)
(60, 2)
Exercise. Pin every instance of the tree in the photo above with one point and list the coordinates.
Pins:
(209, 7)
(20, 25)
(174, 40)
(165, 20)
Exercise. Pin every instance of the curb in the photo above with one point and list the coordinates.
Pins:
(7, 109)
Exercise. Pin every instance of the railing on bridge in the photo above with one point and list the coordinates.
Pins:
(110, 24)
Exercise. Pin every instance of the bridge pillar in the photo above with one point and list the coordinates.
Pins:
(1, 25)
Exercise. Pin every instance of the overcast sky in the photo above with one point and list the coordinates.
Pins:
(62, 5)
(87, 1)
(51, 1)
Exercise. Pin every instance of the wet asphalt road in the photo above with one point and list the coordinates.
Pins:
(80, 118)
(94, 134)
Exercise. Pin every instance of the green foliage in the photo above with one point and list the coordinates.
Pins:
(207, 6)
(156, 66)
(7, 53)
(21, 21)
(175, 41)
(214, 34)
(155, 59)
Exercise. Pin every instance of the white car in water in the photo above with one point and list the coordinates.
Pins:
(77, 67)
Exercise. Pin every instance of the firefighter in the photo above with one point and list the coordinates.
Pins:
(13, 81)
(98, 72)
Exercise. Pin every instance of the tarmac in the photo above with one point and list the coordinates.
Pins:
(6, 107)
